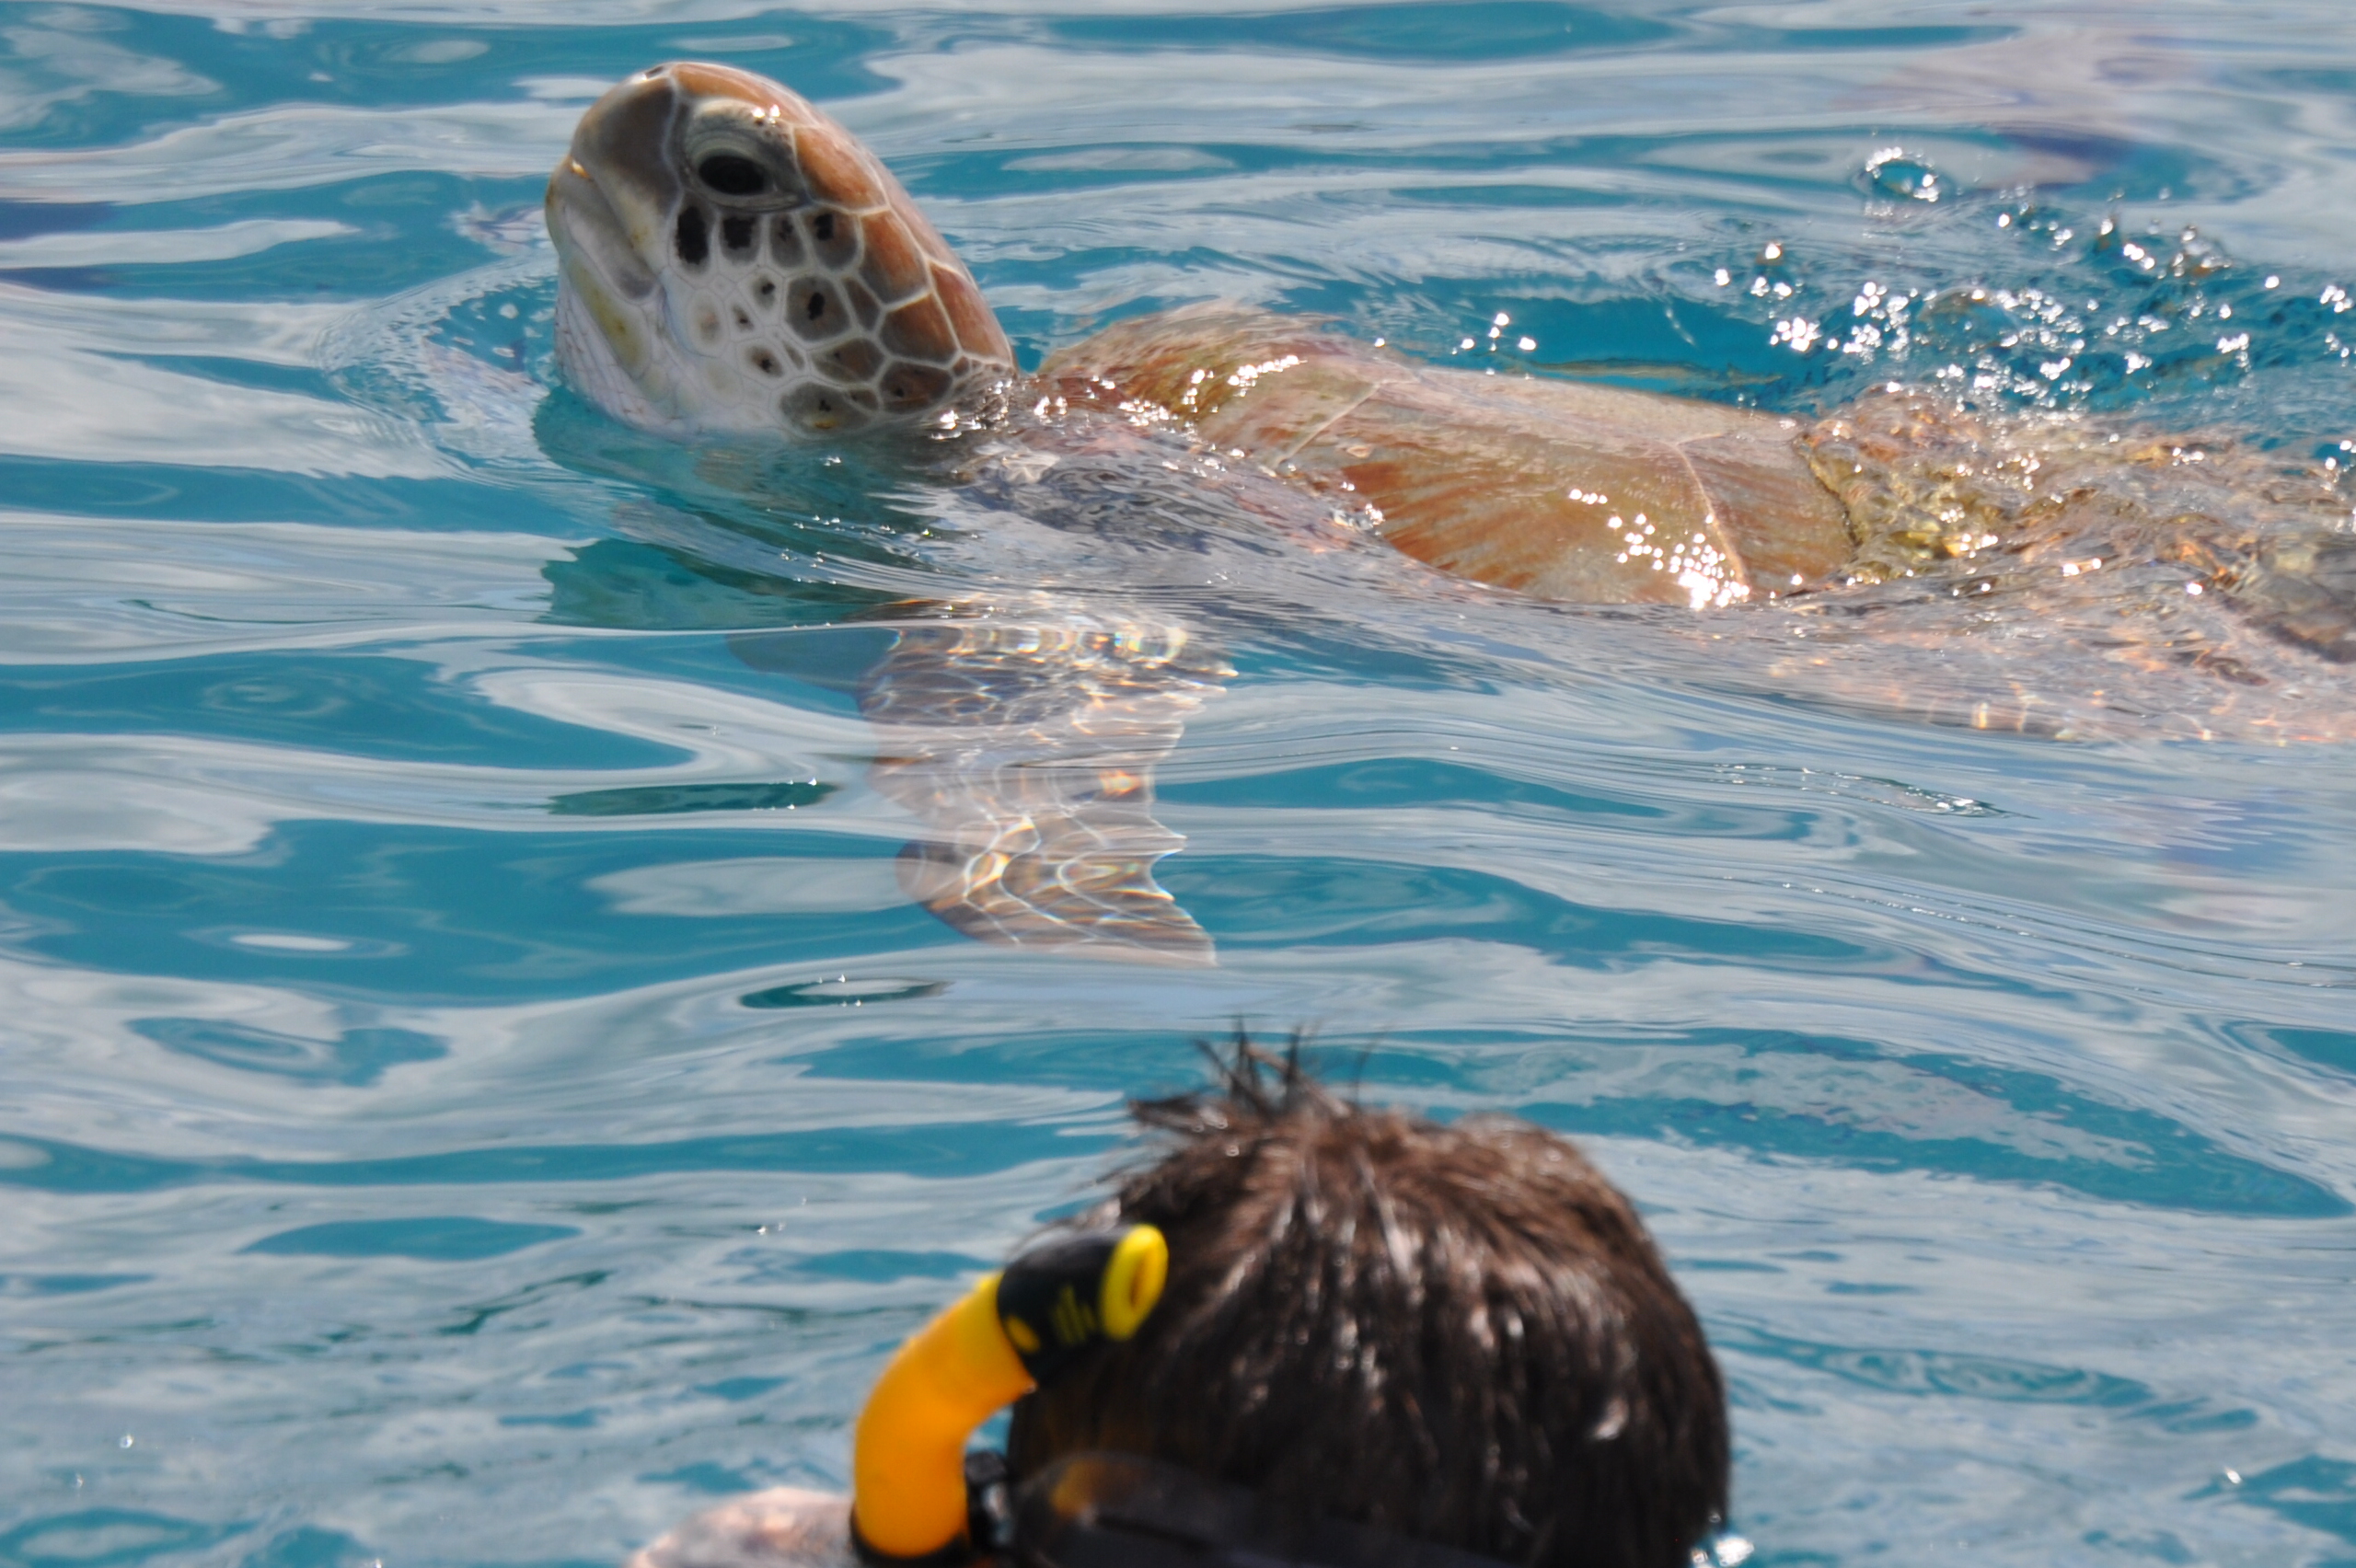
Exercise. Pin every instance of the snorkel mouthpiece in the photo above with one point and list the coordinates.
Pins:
(1014, 1331)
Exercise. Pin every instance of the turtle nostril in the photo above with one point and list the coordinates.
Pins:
(731, 175)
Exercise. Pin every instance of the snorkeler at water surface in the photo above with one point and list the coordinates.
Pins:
(1311, 1331)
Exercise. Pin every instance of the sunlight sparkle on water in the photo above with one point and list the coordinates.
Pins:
(469, 867)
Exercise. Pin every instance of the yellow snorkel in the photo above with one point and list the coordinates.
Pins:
(1012, 1330)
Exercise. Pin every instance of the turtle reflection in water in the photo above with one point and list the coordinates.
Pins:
(733, 263)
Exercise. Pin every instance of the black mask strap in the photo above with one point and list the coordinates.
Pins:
(1104, 1510)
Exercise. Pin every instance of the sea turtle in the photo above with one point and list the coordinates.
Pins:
(735, 264)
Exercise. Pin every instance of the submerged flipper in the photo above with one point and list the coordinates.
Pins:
(1027, 747)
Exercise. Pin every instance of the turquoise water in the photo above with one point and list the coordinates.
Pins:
(474, 1091)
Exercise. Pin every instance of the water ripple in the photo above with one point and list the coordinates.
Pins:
(478, 1084)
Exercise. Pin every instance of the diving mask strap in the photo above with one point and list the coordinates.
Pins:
(1107, 1510)
(1012, 1331)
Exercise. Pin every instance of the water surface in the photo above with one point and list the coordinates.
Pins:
(475, 1090)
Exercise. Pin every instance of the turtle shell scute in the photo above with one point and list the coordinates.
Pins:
(912, 388)
(816, 310)
(834, 237)
(785, 243)
(894, 267)
(971, 320)
(692, 237)
(862, 303)
(920, 330)
(822, 408)
(854, 361)
(837, 172)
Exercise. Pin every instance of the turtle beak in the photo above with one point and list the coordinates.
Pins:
(593, 242)
(613, 194)
(609, 202)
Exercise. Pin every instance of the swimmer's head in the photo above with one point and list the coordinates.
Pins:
(1461, 1333)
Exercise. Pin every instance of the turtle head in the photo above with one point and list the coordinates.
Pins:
(733, 260)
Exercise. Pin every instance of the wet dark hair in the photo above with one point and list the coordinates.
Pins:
(1460, 1332)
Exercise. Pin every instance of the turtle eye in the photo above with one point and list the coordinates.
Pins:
(731, 175)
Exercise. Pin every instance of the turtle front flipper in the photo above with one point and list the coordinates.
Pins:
(1027, 748)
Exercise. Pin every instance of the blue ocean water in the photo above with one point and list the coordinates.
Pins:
(472, 1089)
